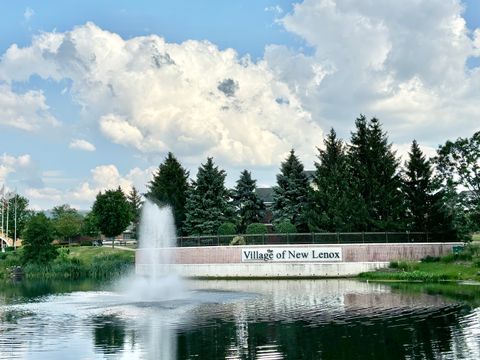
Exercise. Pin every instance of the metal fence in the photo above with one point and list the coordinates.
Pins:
(315, 238)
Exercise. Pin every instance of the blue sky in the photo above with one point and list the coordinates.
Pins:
(84, 108)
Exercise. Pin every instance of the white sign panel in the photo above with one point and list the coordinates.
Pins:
(292, 254)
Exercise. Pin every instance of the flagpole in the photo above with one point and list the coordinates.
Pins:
(3, 205)
(15, 222)
(8, 210)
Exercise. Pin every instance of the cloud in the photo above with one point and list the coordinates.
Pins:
(402, 61)
(102, 177)
(28, 111)
(28, 14)
(189, 98)
(274, 9)
(80, 144)
(10, 164)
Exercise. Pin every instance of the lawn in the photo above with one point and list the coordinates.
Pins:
(86, 254)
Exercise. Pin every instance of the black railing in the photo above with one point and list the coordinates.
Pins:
(314, 238)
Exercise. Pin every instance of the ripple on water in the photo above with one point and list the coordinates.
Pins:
(267, 322)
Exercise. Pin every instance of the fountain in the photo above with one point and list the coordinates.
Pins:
(156, 240)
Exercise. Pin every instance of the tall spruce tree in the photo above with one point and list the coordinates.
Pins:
(333, 204)
(426, 202)
(418, 189)
(374, 169)
(290, 196)
(169, 187)
(207, 205)
(249, 207)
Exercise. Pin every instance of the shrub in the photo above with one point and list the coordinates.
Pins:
(285, 228)
(238, 240)
(256, 228)
(430, 259)
(227, 228)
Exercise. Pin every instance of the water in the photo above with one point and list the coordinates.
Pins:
(308, 319)
(161, 317)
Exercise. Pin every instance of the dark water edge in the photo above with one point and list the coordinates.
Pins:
(310, 319)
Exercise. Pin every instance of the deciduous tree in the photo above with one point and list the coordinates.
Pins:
(113, 212)
(37, 240)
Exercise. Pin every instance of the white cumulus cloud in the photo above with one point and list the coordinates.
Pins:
(81, 144)
(28, 111)
(402, 61)
(190, 98)
(102, 177)
(10, 164)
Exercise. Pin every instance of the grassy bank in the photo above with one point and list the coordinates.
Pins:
(74, 263)
(463, 266)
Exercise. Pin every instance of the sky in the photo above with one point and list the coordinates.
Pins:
(93, 95)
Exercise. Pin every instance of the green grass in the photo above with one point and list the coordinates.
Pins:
(87, 254)
(464, 266)
(75, 263)
(476, 237)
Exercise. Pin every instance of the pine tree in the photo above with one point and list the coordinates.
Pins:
(331, 207)
(248, 206)
(169, 187)
(290, 196)
(135, 201)
(418, 189)
(207, 205)
(374, 169)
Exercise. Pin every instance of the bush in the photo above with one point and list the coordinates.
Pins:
(227, 228)
(256, 229)
(430, 259)
(285, 228)
(238, 240)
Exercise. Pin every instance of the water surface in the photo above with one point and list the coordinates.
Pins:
(308, 319)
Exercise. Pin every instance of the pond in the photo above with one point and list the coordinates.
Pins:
(261, 319)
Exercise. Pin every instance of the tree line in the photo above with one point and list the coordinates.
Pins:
(357, 186)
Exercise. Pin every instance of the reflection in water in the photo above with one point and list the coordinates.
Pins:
(109, 333)
(328, 319)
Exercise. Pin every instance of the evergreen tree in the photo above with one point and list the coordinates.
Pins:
(374, 170)
(135, 201)
(333, 203)
(207, 205)
(248, 206)
(418, 189)
(113, 212)
(169, 187)
(290, 196)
